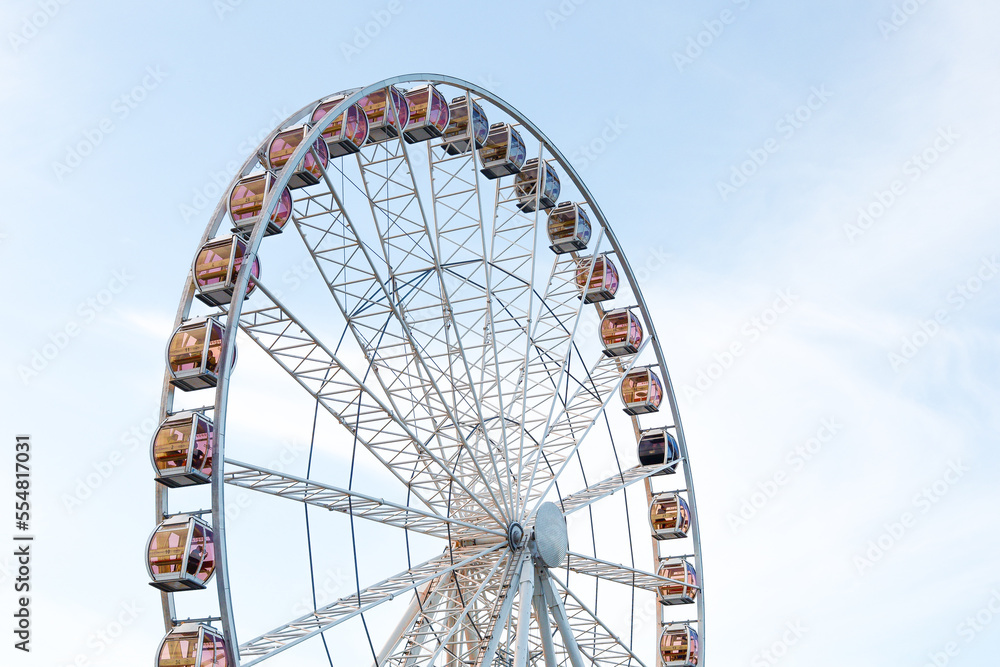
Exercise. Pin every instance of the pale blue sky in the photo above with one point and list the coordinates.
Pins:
(201, 83)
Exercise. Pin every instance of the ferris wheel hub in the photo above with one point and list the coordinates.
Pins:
(515, 534)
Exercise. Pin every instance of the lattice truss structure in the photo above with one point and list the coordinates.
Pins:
(483, 385)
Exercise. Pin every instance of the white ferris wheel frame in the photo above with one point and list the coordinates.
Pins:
(533, 585)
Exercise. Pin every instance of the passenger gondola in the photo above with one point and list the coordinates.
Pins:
(568, 228)
(657, 447)
(503, 153)
(310, 169)
(192, 645)
(669, 516)
(641, 391)
(621, 332)
(193, 354)
(183, 450)
(217, 267)
(347, 133)
(683, 589)
(679, 646)
(527, 190)
(246, 201)
(385, 121)
(429, 114)
(460, 135)
(180, 555)
(603, 284)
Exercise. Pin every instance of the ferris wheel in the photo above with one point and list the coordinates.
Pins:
(478, 337)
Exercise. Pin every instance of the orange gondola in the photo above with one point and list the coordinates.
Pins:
(683, 587)
(641, 391)
(183, 450)
(216, 268)
(346, 134)
(192, 645)
(568, 228)
(247, 200)
(429, 114)
(621, 332)
(180, 555)
(193, 354)
(603, 284)
(310, 168)
(679, 646)
(669, 516)
(385, 121)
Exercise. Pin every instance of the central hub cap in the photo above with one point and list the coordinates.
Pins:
(515, 533)
(551, 538)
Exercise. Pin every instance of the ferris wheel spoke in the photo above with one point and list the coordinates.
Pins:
(589, 393)
(370, 304)
(461, 247)
(552, 337)
(620, 574)
(610, 486)
(596, 641)
(457, 207)
(426, 312)
(437, 599)
(349, 269)
(361, 505)
(511, 300)
(421, 597)
(320, 620)
(564, 438)
(444, 624)
(320, 372)
(511, 276)
(581, 412)
(473, 289)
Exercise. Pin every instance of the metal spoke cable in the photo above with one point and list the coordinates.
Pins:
(354, 544)
(350, 506)
(544, 353)
(413, 284)
(628, 527)
(370, 302)
(305, 507)
(365, 195)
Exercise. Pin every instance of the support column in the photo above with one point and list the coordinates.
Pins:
(526, 591)
(542, 618)
(504, 615)
(558, 612)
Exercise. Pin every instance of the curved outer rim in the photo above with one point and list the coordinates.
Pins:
(240, 291)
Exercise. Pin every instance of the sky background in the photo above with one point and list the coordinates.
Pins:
(834, 161)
